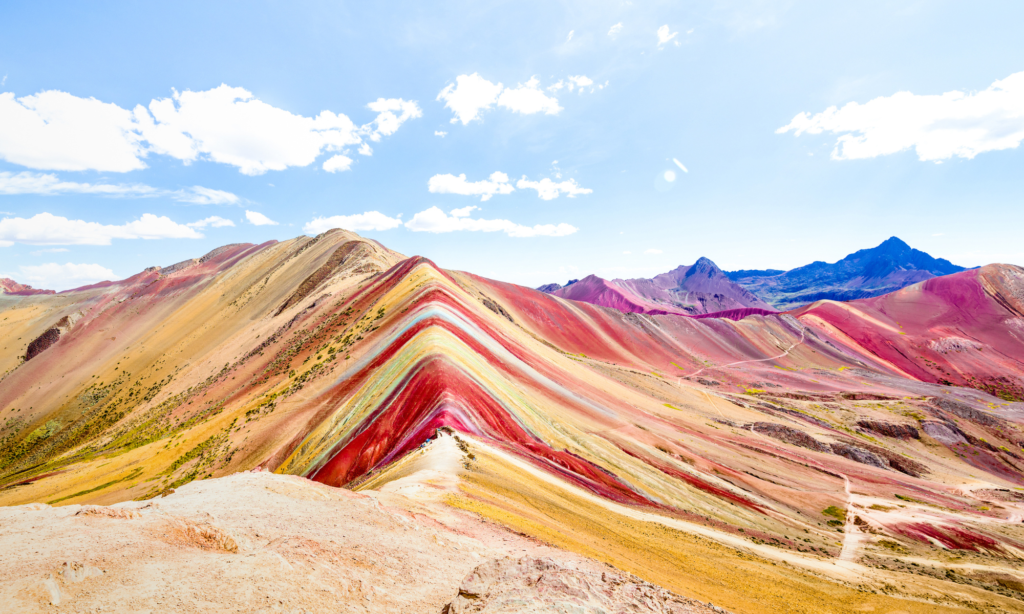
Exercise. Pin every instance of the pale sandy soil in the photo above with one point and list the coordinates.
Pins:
(252, 542)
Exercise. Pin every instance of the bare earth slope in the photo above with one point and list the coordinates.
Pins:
(772, 463)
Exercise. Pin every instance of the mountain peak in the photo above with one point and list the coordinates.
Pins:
(893, 244)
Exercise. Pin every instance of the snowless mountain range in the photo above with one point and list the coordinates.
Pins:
(326, 423)
(704, 288)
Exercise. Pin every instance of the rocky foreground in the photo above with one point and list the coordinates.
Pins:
(262, 542)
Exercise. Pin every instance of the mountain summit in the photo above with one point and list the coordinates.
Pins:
(698, 289)
(869, 272)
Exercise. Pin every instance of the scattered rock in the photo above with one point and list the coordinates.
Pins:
(542, 585)
(943, 433)
(108, 512)
(789, 435)
(498, 309)
(888, 429)
(205, 536)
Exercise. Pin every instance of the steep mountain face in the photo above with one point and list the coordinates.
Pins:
(687, 290)
(866, 273)
(9, 286)
(698, 454)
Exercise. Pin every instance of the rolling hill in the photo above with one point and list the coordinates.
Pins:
(866, 454)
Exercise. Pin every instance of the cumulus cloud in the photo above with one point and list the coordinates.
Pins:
(548, 189)
(937, 127)
(47, 184)
(338, 163)
(664, 35)
(258, 219)
(55, 130)
(49, 229)
(497, 183)
(468, 96)
(614, 30)
(528, 99)
(371, 220)
(391, 114)
(464, 211)
(213, 221)
(55, 276)
(471, 95)
(435, 220)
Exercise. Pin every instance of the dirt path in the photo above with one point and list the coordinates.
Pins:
(742, 362)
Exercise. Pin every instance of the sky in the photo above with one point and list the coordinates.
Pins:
(530, 142)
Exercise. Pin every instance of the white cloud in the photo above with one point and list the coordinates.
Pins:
(53, 276)
(569, 38)
(652, 251)
(338, 163)
(680, 165)
(47, 184)
(614, 30)
(528, 99)
(213, 221)
(58, 250)
(440, 133)
(463, 212)
(49, 229)
(229, 125)
(665, 36)
(468, 96)
(937, 127)
(365, 150)
(435, 220)
(258, 219)
(548, 190)
(55, 130)
(497, 183)
(199, 195)
(471, 95)
(371, 220)
(573, 82)
(387, 122)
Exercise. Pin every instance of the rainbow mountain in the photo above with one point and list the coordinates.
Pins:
(766, 462)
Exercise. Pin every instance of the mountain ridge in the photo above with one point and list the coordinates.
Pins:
(697, 289)
(866, 273)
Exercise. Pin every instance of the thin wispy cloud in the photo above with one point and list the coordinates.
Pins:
(48, 229)
(370, 220)
(937, 127)
(435, 220)
(47, 184)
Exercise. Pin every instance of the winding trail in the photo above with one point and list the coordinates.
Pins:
(741, 362)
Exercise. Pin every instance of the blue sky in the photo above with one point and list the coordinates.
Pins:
(133, 134)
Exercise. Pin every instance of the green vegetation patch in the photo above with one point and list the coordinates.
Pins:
(836, 512)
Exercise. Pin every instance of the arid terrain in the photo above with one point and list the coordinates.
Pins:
(418, 431)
